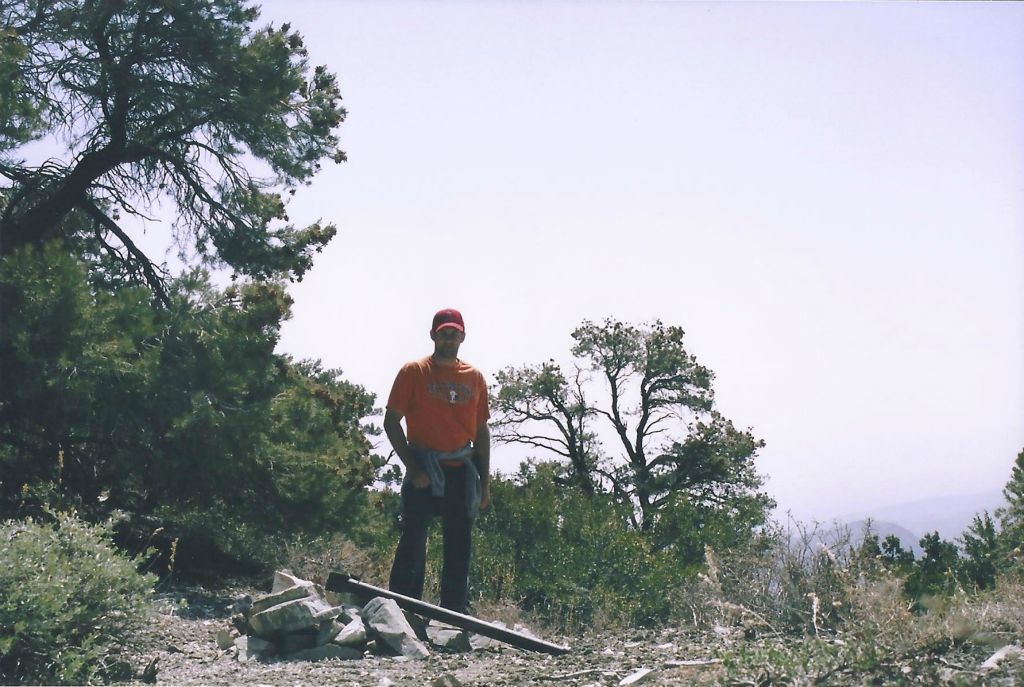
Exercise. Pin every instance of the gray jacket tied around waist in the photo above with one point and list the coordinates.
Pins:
(430, 462)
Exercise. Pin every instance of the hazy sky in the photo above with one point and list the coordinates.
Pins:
(828, 198)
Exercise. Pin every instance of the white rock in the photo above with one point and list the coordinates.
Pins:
(636, 678)
(250, 648)
(479, 642)
(448, 637)
(385, 619)
(524, 630)
(291, 616)
(998, 657)
(283, 579)
(353, 634)
(693, 662)
(283, 596)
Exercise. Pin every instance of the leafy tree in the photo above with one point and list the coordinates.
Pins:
(672, 452)
(541, 394)
(980, 548)
(181, 105)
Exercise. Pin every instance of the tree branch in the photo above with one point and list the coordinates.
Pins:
(141, 262)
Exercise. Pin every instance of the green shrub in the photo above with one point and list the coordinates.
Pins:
(569, 557)
(70, 605)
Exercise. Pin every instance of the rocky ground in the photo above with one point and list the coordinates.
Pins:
(182, 643)
(182, 648)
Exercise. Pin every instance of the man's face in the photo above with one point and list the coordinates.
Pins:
(447, 341)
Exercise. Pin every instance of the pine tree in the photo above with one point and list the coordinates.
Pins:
(1011, 516)
(935, 572)
(980, 547)
(894, 556)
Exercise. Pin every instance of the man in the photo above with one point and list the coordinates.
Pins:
(446, 456)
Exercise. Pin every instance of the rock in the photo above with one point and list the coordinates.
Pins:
(998, 657)
(446, 680)
(240, 623)
(448, 637)
(240, 605)
(418, 625)
(250, 648)
(283, 579)
(385, 619)
(524, 630)
(349, 613)
(479, 642)
(328, 631)
(696, 662)
(226, 639)
(270, 600)
(330, 613)
(636, 678)
(291, 616)
(353, 634)
(324, 652)
(298, 641)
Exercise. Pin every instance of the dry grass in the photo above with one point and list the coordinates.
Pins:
(805, 613)
(315, 559)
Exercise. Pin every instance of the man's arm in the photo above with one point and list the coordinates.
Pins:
(482, 447)
(396, 435)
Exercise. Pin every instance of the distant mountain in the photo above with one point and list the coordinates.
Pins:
(949, 515)
(908, 540)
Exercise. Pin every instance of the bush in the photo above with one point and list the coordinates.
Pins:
(70, 606)
(569, 557)
(793, 578)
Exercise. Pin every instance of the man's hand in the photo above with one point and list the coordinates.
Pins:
(485, 496)
(420, 479)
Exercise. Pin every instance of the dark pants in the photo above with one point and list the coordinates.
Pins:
(418, 509)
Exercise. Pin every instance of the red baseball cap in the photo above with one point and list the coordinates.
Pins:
(449, 317)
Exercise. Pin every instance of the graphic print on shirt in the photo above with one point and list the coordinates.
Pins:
(452, 393)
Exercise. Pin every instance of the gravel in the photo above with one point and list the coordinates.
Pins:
(182, 642)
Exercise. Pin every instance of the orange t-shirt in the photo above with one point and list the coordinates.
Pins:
(443, 405)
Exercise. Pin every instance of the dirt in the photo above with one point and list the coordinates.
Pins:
(182, 643)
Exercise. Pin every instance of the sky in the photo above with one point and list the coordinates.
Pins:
(827, 197)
